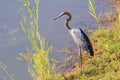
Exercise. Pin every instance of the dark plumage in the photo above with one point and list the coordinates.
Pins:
(88, 46)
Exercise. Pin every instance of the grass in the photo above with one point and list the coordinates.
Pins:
(7, 74)
(105, 65)
(93, 13)
(38, 60)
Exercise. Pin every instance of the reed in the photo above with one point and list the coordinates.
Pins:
(93, 13)
(39, 65)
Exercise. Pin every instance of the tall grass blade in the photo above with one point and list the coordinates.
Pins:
(93, 13)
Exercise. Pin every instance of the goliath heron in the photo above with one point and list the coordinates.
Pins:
(80, 38)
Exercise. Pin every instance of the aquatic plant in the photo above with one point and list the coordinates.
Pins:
(93, 13)
(38, 61)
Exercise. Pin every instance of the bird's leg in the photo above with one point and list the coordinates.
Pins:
(80, 56)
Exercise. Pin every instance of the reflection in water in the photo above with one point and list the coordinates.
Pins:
(13, 41)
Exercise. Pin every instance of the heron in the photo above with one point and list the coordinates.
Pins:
(79, 37)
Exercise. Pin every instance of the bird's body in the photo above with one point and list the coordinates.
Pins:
(81, 39)
(79, 36)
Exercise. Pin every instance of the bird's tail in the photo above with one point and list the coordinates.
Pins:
(88, 46)
(90, 50)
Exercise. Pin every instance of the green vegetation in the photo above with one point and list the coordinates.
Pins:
(105, 65)
(7, 75)
(93, 13)
(38, 61)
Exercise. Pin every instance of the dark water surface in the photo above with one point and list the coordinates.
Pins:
(13, 41)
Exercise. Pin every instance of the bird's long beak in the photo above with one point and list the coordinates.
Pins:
(57, 17)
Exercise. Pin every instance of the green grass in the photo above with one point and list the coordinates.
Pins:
(7, 75)
(93, 13)
(38, 60)
(105, 65)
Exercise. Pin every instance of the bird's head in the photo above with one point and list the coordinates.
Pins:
(64, 13)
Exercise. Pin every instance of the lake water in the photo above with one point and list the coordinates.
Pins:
(13, 41)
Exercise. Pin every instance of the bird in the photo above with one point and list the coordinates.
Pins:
(79, 37)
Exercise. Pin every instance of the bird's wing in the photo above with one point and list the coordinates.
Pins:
(88, 45)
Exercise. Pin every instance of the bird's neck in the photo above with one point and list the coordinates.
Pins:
(67, 24)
